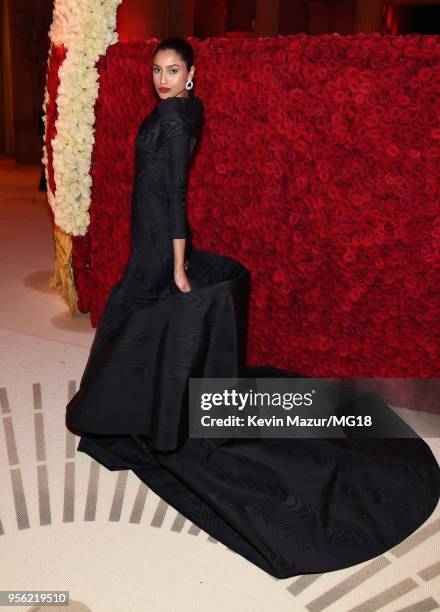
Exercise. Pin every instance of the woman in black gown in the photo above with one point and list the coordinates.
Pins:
(290, 506)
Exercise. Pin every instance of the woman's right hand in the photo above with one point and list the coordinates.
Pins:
(181, 279)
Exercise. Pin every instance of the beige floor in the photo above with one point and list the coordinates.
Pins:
(68, 524)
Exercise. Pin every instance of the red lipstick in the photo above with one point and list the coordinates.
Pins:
(164, 89)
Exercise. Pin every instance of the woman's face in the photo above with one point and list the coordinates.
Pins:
(170, 74)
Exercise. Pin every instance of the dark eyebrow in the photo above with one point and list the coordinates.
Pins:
(169, 66)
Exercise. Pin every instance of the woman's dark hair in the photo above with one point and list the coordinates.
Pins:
(180, 46)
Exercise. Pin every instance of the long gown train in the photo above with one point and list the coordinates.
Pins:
(290, 506)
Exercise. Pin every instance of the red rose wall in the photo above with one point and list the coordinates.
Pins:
(318, 168)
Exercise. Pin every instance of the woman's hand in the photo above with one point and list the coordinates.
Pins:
(181, 279)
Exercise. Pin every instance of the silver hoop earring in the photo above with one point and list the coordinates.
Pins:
(189, 85)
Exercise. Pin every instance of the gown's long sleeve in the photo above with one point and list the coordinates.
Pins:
(178, 149)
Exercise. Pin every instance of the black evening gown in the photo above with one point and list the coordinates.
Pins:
(290, 506)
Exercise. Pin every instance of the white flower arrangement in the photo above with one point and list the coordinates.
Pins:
(86, 28)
